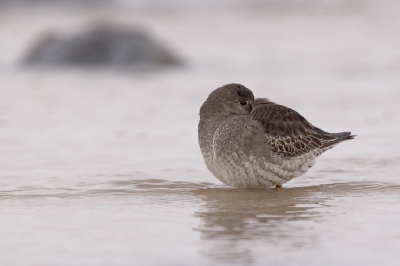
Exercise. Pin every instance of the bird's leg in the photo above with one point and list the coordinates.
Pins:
(278, 186)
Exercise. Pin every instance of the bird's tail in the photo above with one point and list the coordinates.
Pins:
(331, 139)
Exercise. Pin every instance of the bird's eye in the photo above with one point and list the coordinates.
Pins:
(243, 102)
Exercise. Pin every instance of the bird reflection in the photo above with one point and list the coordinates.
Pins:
(237, 224)
(247, 226)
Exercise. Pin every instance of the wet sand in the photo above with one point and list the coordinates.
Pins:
(102, 167)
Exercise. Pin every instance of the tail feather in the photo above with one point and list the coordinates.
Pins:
(331, 139)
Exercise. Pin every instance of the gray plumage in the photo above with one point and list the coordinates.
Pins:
(254, 143)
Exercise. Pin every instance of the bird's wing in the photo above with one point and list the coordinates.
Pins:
(287, 132)
(331, 139)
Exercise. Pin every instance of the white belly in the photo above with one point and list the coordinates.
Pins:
(255, 172)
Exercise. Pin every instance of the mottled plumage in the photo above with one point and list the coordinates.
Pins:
(253, 143)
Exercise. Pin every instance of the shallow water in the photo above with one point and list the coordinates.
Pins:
(102, 167)
(124, 219)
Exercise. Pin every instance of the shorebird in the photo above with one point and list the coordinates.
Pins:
(255, 143)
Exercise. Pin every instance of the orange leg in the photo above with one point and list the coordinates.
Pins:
(278, 186)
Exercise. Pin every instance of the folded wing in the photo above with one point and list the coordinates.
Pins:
(289, 134)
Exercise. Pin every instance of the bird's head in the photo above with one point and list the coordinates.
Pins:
(230, 99)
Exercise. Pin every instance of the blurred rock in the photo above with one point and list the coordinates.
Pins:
(101, 46)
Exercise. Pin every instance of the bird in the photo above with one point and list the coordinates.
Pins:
(256, 143)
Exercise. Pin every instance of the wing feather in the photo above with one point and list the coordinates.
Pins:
(287, 132)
